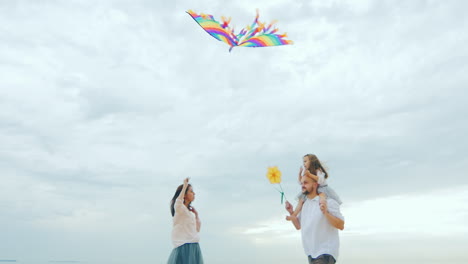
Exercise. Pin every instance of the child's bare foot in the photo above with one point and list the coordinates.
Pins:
(323, 200)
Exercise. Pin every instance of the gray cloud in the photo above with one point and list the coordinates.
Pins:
(106, 107)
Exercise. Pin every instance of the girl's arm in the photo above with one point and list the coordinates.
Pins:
(300, 175)
(312, 176)
(182, 193)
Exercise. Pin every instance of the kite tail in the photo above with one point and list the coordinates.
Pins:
(225, 21)
(257, 15)
(253, 29)
(267, 29)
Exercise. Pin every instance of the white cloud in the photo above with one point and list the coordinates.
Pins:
(437, 213)
(105, 106)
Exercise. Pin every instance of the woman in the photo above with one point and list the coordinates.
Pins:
(185, 227)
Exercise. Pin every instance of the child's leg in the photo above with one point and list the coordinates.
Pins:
(323, 198)
(297, 211)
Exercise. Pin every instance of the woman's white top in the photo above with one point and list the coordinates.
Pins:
(184, 225)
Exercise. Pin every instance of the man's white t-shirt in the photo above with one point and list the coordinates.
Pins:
(318, 235)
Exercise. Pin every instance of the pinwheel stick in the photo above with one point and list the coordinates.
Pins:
(283, 195)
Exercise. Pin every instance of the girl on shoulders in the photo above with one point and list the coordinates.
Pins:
(314, 169)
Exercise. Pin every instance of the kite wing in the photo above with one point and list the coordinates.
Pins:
(261, 35)
(265, 40)
(221, 32)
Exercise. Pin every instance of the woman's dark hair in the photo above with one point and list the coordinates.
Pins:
(176, 194)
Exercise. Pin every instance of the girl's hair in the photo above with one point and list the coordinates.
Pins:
(176, 194)
(315, 165)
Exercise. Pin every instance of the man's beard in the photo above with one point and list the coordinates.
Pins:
(306, 192)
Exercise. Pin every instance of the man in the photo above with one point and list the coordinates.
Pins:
(319, 224)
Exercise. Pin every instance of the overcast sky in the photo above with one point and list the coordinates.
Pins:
(105, 106)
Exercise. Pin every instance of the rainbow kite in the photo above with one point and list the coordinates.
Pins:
(256, 35)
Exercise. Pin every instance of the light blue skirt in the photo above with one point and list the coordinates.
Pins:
(188, 253)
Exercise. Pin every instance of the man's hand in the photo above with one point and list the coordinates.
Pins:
(324, 207)
(186, 180)
(289, 207)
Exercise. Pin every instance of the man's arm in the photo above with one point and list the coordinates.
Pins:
(333, 220)
(295, 222)
(292, 217)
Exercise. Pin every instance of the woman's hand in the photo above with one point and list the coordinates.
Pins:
(192, 209)
(184, 188)
(186, 180)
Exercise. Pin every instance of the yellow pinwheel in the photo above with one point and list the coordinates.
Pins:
(274, 176)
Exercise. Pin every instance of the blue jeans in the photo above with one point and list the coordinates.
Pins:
(322, 259)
